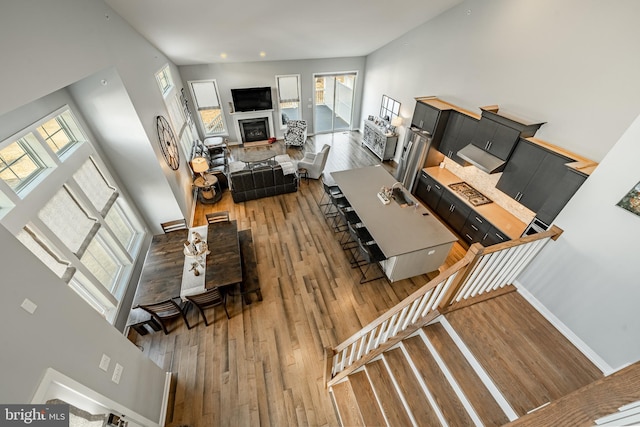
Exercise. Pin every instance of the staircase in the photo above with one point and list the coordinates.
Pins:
(485, 364)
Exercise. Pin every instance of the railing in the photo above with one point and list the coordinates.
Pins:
(482, 270)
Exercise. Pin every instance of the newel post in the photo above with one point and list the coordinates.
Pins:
(473, 255)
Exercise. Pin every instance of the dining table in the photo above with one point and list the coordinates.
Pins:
(164, 266)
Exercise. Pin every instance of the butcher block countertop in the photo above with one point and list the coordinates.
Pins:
(492, 212)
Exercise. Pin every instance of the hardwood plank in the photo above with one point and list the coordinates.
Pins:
(528, 359)
(422, 411)
(369, 408)
(388, 397)
(473, 388)
(442, 392)
(347, 405)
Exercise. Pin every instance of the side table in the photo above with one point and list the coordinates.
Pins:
(208, 188)
(303, 173)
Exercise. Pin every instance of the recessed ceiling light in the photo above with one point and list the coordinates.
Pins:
(263, 54)
(223, 55)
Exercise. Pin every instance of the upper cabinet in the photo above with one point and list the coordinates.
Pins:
(431, 115)
(495, 138)
(537, 177)
(458, 133)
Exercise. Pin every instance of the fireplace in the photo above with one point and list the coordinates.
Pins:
(252, 130)
(248, 117)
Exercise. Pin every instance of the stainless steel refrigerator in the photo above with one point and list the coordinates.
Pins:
(413, 158)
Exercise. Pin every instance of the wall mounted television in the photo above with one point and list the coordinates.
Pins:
(252, 99)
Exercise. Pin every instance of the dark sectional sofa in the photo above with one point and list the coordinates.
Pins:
(261, 181)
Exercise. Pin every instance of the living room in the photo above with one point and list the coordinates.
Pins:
(567, 64)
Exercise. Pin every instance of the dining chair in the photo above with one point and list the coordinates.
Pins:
(178, 224)
(211, 298)
(166, 310)
(214, 217)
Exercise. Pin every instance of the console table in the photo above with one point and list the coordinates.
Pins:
(380, 143)
(413, 241)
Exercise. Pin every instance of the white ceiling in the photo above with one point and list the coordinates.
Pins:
(199, 31)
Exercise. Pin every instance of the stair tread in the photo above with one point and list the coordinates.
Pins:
(392, 405)
(422, 411)
(347, 405)
(371, 413)
(470, 383)
(529, 360)
(447, 400)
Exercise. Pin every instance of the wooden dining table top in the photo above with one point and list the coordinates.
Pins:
(161, 276)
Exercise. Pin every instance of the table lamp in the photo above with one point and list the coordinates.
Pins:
(200, 165)
(397, 121)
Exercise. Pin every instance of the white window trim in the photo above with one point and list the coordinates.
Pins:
(283, 125)
(17, 212)
(201, 126)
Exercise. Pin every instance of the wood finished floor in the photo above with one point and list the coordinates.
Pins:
(264, 366)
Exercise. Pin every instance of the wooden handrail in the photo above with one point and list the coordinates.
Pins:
(481, 270)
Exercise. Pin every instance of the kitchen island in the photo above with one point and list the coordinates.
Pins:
(413, 241)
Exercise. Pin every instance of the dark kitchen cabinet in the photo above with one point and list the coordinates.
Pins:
(452, 210)
(430, 119)
(429, 190)
(532, 173)
(494, 236)
(475, 228)
(495, 138)
(560, 195)
(458, 133)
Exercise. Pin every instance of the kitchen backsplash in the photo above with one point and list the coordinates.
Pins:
(486, 184)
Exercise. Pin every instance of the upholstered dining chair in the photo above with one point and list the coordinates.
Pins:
(215, 217)
(166, 310)
(296, 133)
(314, 162)
(211, 298)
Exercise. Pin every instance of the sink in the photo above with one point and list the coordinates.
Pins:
(399, 196)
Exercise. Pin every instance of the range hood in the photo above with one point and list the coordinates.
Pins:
(481, 159)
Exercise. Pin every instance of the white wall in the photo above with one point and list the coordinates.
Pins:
(257, 74)
(571, 63)
(66, 334)
(76, 43)
(589, 278)
(46, 47)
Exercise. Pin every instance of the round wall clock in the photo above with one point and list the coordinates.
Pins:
(168, 144)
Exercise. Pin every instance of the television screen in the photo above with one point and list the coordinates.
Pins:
(252, 99)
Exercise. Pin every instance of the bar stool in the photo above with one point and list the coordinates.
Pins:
(355, 233)
(339, 203)
(328, 191)
(368, 255)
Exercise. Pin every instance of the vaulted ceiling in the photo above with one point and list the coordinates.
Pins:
(207, 31)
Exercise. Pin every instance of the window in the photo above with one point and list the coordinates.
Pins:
(84, 230)
(164, 79)
(177, 108)
(289, 98)
(207, 103)
(61, 132)
(19, 164)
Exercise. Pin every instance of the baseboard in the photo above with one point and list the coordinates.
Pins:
(165, 398)
(564, 330)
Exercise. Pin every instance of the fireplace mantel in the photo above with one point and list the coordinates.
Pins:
(244, 115)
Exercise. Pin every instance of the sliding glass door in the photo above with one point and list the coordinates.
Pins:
(333, 106)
